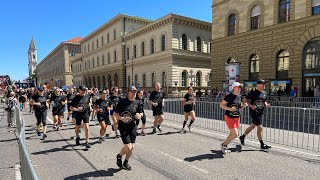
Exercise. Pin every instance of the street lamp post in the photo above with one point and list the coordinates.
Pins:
(123, 43)
(132, 63)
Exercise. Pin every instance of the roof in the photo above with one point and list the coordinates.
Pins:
(75, 40)
(32, 45)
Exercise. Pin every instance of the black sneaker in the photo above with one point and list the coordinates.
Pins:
(143, 133)
(44, 136)
(126, 166)
(154, 130)
(242, 140)
(68, 118)
(119, 162)
(38, 133)
(100, 140)
(78, 141)
(87, 145)
(264, 146)
(159, 128)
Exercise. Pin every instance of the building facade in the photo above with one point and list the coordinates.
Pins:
(173, 50)
(55, 68)
(275, 40)
(32, 57)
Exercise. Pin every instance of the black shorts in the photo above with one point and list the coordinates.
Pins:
(157, 112)
(256, 120)
(187, 108)
(103, 118)
(128, 135)
(82, 117)
(143, 119)
(58, 112)
(73, 115)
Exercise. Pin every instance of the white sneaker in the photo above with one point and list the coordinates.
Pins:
(183, 130)
(224, 149)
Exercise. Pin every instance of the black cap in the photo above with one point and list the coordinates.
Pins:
(41, 88)
(132, 88)
(261, 81)
(82, 87)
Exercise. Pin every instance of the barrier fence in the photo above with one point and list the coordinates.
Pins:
(26, 166)
(290, 126)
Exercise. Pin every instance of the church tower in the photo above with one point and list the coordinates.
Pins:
(32, 57)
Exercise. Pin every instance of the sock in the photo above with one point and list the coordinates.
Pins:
(243, 136)
(191, 122)
(261, 142)
(184, 123)
(125, 162)
(119, 156)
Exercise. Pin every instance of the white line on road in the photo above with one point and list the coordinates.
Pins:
(178, 160)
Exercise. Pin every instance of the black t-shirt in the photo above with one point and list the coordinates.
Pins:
(141, 102)
(70, 97)
(189, 97)
(41, 99)
(57, 101)
(103, 104)
(128, 108)
(157, 97)
(233, 101)
(82, 101)
(258, 99)
(114, 100)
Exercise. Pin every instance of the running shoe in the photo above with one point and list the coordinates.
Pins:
(159, 128)
(183, 130)
(143, 133)
(264, 146)
(54, 127)
(87, 145)
(64, 124)
(117, 135)
(224, 149)
(242, 140)
(189, 127)
(68, 118)
(154, 130)
(100, 140)
(119, 162)
(44, 136)
(126, 166)
(38, 133)
(78, 141)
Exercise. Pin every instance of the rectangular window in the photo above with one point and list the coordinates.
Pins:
(102, 41)
(255, 22)
(284, 12)
(108, 39)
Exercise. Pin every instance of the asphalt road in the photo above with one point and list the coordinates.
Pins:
(167, 155)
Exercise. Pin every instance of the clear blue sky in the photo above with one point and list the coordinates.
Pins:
(52, 21)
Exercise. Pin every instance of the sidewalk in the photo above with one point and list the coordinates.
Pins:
(9, 149)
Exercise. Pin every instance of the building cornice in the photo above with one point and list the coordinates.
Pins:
(219, 3)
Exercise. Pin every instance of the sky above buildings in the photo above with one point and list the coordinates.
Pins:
(50, 22)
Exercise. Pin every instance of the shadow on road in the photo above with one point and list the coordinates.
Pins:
(169, 133)
(101, 173)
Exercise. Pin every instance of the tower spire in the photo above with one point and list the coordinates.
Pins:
(32, 45)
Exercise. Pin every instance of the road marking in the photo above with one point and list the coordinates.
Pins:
(178, 160)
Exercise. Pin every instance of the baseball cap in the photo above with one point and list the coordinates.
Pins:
(82, 87)
(41, 88)
(236, 84)
(132, 88)
(261, 81)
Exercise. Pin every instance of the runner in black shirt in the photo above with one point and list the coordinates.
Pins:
(157, 101)
(58, 102)
(232, 105)
(70, 96)
(102, 106)
(257, 105)
(188, 106)
(127, 111)
(141, 101)
(114, 98)
(40, 106)
(81, 106)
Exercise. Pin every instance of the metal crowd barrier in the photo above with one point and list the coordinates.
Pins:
(26, 167)
(290, 126)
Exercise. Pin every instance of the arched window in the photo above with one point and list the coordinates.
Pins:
(198, 79)
(184, 42)
(232, 21)
(184, 79)
(153, 79)
(284, 11)
(144, 81)
(254, 67)
(283, 64)
(108, 58)
(115, 79)
(152, 46)
(115, 55)
(312, 58)
(135, 51)
(103, 62)
(109, 81)
(315, 7)
(164, 79)
(128, 53)
(142, 49)
(255, 17)
(199, 47)
(114, 34)
(163, 43)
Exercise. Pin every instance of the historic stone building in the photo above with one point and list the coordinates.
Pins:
(275, 40)
(55, 68)
(129, 50)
